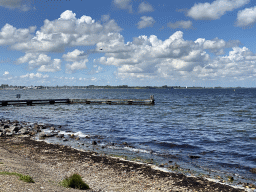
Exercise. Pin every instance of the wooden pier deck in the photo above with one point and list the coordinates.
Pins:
(150, 101)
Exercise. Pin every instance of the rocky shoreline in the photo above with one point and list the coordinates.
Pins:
(101, 173)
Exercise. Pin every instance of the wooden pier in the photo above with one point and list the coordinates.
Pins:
(150, 101)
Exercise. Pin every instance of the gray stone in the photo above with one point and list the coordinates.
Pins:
(94, 143)
(61, 135)
(14, 129)
(49, 135)
(9, 134)
(6, 126)
(24, 131)
(42, 134)
(52, 128)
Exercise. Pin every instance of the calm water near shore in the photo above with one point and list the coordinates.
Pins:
(217, 125)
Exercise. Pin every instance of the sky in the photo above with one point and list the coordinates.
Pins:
(205, 43)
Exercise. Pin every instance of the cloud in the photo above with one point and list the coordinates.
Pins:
(6, 73)
(174, 58)
(246, 17)
(57, 35)
(123, 4)
(180, 24)
(216, 45)
(40, 61)
(78, 59)
(10, 35)
(213, 11)
(145, 7)
(33, 76)
(23, 5)
(67, 31)
(146, 22)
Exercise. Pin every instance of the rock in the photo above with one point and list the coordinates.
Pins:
(61, 135)
(14, 129)
(49, 135)
(72, 136)
(194, 157)
(42, 134)
(6, 126)
(64, 139)
(42, 127)
(24, 131)
(32, 133)
(230, 178)
(125, 143)
(9, 134)
(52, 129)
(77, 138)
(94, 143)
(36, 126)
(1, 134)
(253, 170)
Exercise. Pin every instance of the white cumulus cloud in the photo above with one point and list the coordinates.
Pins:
(67, 31)
(214, 10)
(146, 22)
(10, 35)
(246, 17)
(78, 59)
(40, 61)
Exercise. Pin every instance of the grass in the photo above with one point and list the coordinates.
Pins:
(1, 163)
(74, 181)
(25, 178)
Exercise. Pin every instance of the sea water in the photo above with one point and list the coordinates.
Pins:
(216, 125)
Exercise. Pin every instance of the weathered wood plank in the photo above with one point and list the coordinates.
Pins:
(150, 101)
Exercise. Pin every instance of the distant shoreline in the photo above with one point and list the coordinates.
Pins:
(7, 87)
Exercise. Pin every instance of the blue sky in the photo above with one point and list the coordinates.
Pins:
(128, 42)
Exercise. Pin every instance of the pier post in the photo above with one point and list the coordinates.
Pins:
(152, 99)
(4, 103)
(29, 103)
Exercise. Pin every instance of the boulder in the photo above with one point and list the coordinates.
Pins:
(24, 131)
(6, 126)
(14, 129)
(42, 134)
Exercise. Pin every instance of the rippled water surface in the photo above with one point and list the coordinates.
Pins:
(218, 125)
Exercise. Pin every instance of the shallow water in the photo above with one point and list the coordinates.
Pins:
(218, 125)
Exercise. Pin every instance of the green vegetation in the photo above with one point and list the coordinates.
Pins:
(1, 163)
(25, 178)
(74, 181)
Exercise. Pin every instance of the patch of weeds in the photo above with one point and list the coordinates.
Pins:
(1, 163)
(74, 181)
(25, 178)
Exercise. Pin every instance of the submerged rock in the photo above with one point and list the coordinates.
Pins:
(253, 170)
(94, 143)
